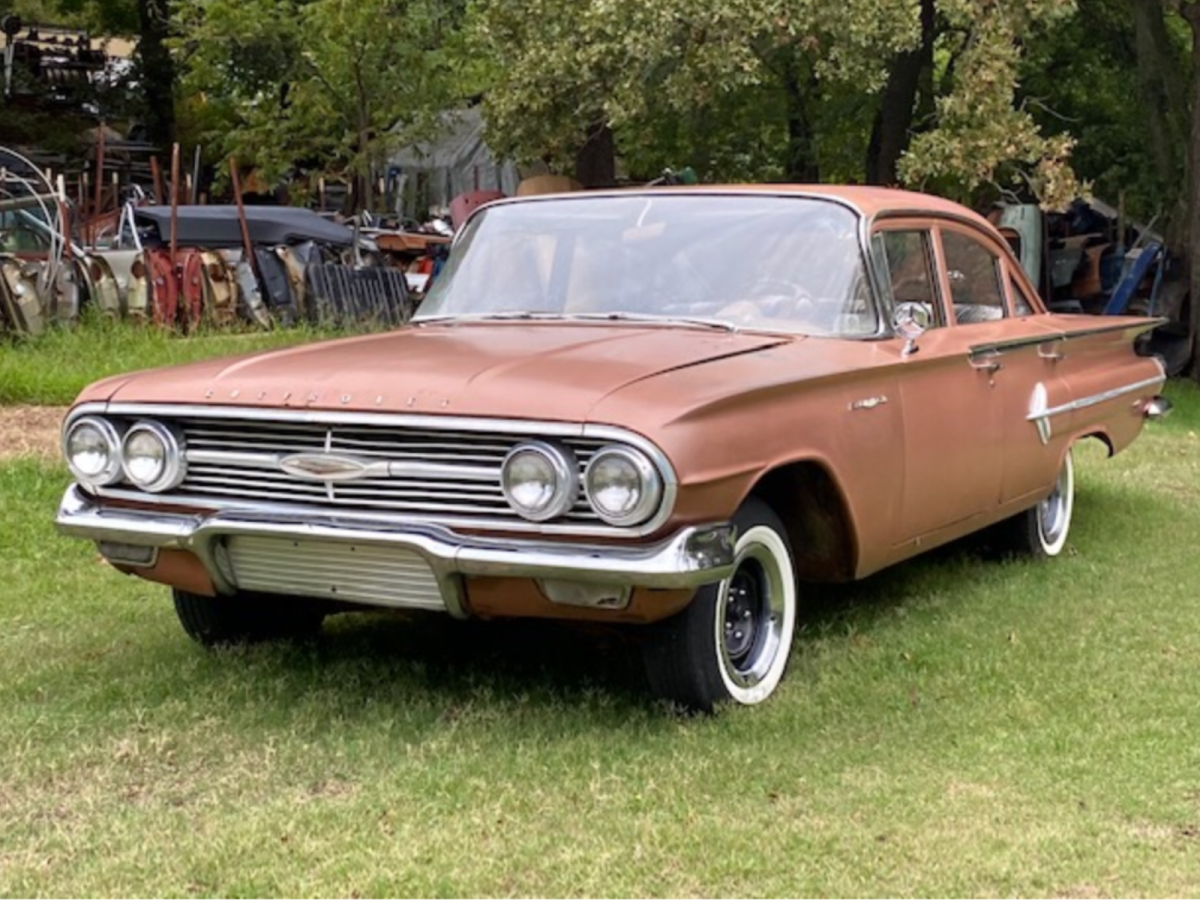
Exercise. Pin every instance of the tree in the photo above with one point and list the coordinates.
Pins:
(1190, 11)
(334, 83)
(837, 71)
(157, 71)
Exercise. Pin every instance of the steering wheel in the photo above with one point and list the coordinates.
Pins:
(769, 287)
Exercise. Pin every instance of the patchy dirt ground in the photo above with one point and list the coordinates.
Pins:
(30, 431)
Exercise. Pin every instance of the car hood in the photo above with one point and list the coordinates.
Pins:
(517, 370)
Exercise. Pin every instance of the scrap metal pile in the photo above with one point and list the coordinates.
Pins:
(186, 266)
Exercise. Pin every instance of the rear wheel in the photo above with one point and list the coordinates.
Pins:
(246, 618)
(731, 643)
(1042, 531)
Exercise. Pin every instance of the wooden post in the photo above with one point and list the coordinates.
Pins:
(156, 177)
(247, 244)
(99, 170)
(174, 199)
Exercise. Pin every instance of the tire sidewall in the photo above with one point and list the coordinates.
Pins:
(758, 528)
(1054, 548)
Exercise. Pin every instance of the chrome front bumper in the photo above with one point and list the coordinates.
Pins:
(693, 556)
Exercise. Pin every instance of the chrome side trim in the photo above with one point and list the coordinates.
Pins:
(1041, 419)
(1062, 336)
(1102, 397)
(471, 424)
(691, 557)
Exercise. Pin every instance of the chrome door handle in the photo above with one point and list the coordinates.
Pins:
(989, 364)
(1051, 353)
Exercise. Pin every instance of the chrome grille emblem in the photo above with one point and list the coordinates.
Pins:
(323, 467)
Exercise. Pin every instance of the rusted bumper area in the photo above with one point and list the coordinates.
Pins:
(382, 563)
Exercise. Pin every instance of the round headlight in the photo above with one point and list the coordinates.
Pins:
(152, 457)
(623, 486)
(540, 481)
(93, 450)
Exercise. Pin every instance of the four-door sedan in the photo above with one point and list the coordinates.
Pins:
(667, 408)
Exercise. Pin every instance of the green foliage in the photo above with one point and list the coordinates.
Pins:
(981, 136)
(696, 81)
(1080, 78)
(333, 84)
(715, 84)
(107, 17)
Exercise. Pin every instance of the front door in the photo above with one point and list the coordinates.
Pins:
(956, 399)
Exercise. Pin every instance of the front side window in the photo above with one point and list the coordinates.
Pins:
(1021, 304)
(974, 274)
(791, 264)
(907, 264)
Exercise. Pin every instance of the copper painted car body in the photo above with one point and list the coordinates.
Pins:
(664, 407)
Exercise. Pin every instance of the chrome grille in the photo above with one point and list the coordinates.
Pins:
(358, 573)
(434, 474)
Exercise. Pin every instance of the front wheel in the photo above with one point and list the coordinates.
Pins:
(246, 618)
(731, 643)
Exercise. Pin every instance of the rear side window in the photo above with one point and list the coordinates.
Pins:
(974, 275)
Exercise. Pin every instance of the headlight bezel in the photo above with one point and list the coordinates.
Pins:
(113, 469)
(174, 466)
(650, 481)
(565, 468)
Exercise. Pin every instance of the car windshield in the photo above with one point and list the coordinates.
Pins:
(790, 264)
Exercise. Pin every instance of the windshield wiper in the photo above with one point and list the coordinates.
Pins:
(502, 316)
(645, 318)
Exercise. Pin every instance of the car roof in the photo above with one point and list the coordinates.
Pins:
(871, 201)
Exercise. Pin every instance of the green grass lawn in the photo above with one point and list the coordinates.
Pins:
(957, 725)
(52, 368)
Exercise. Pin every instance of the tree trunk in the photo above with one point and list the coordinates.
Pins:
(1163, 94)
(158, 72)
(801, 165)
(1191, 12)
(596, 161)
(893, 122)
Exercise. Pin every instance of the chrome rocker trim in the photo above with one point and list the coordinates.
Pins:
(693, 556)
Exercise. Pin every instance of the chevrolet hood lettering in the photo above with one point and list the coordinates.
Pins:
(324, 467)
(504, 370)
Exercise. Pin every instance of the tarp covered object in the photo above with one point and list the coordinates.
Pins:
(213, 227)
(456, 162)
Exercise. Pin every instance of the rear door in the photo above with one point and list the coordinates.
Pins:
(967, 391)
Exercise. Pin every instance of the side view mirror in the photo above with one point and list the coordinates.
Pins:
(910, 320)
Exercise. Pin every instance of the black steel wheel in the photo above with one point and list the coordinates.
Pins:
(731, 643)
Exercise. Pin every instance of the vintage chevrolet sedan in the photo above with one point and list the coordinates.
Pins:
(667, 409)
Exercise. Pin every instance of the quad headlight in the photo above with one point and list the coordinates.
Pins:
(152, 457)
(540, 480)
(623, 486)
(93, 451)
